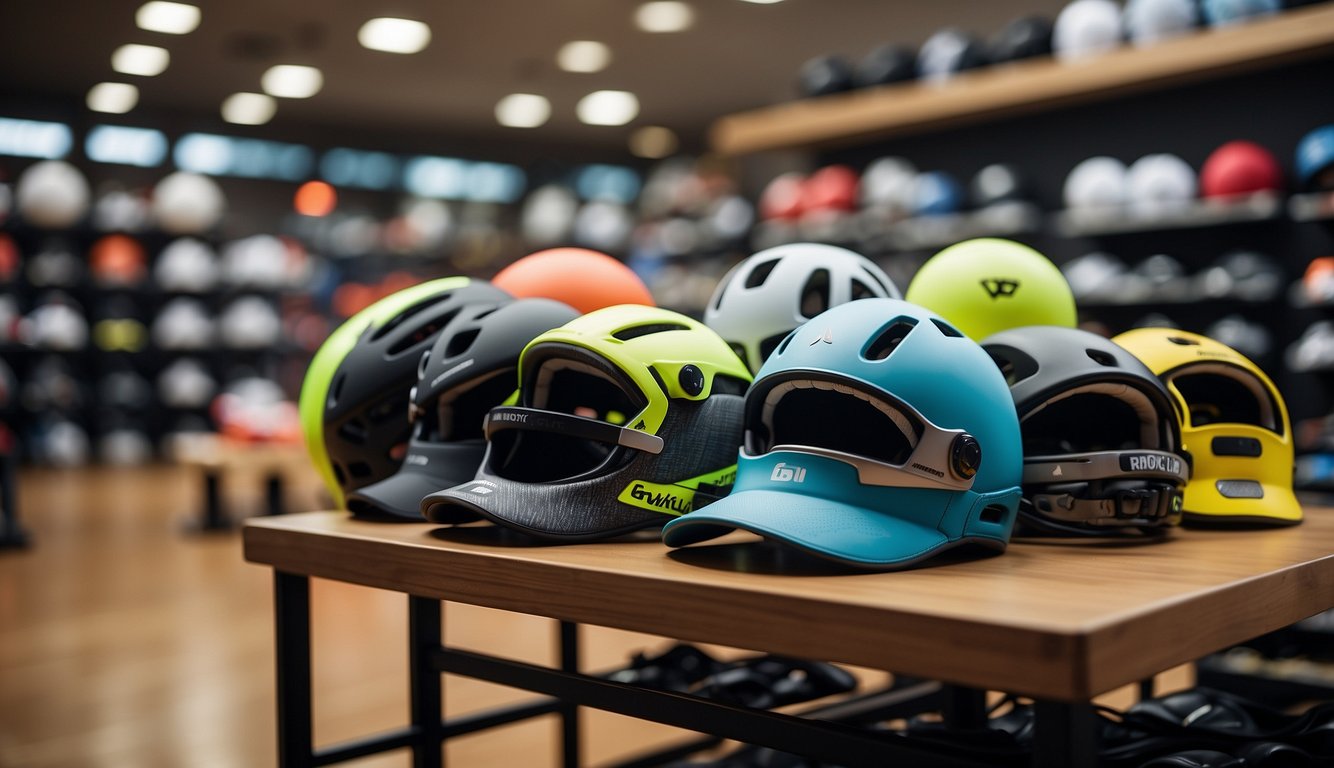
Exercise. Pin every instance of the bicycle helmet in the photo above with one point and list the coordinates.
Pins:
(582, 278)
(987, 285)
(1234, 429)
(876, 435)
(354, 398)
(1102, 444)
(627, 417)
(767, 295)
(468, 371)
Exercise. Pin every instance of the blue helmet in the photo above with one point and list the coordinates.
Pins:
(876, 435)
(1315, 155)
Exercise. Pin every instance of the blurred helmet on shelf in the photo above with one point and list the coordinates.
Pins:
(886, 64)
(52, 194)
(1023, 38)
(1086, 28)
(936, 193)
(1240, 168)
(188, 203)
(187, 265)
(118, 261)
(1096, 183)
(1315, 159)
(948, 52)
(183, 323)
(249, 322)
(1152, 21)
(1222, 13)
(1160, 182)
(824, 75)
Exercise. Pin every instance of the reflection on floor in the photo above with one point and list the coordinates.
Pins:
(125, 640)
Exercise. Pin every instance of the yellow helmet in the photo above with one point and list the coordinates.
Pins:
(1234, 428)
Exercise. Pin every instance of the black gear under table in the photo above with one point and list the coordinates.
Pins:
(1060, 623)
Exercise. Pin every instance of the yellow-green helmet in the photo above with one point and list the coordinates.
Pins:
(627, 417)
(989, 285)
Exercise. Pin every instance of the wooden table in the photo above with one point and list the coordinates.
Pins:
(1060, 623)
(216, 456)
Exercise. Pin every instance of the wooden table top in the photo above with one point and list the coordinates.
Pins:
(1059, 621)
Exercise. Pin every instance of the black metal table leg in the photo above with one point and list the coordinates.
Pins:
(569, 713)
(424, 640)
(1146, 688)
(12, 535)
(1065, 734)
(291, 607)
(273, 494)
(965, 707)
(215, 519)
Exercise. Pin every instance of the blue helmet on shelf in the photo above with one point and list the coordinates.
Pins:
(1315, 156)
(876, 435)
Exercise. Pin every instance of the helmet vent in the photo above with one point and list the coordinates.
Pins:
(336, 390)
(359, 469)
(861, 290)
(1183, 341)
(815, 293)
(770, 344)
(993, 513)
(1101, 358)
(484, 313)
(353, 432)
(889, 339)
(947, 329)
(461, 342)
(421, 333)
(403, 316)
(760, 273)
(635, 331)
(786, 340)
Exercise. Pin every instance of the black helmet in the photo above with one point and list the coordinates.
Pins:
(471, 368)
(354, 399)
(1102, 444)
(1023, 38)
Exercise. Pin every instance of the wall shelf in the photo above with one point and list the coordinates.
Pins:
(1027, 86)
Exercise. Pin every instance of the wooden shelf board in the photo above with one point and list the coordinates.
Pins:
(1027, 86)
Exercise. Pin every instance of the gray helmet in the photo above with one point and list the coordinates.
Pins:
(1102, 444)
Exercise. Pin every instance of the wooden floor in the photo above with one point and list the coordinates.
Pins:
(127, 641)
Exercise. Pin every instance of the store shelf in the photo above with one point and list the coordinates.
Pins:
(1196, 215)
(1027, 86)
(1315, 206)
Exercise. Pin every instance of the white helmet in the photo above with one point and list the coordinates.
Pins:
(767, 295)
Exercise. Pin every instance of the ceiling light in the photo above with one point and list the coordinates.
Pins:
(607, 108)
(523, 110)
(583, 56)
(142, 60)
(248, 108)
(116, 98)
(292, 81)
(394, 35)
(664, 16)
(144, 147)
(167, 18)
(762, 2)
(653, 142)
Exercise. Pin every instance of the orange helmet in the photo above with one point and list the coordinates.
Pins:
(582, 278)
(118, 260)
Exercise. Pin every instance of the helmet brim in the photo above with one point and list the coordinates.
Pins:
(1206, 507)
(830, 529)
(400, 494)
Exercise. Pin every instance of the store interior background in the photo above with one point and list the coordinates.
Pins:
(128, 639)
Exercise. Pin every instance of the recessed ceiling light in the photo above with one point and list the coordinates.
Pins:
(607, 108)
(394, 35)
(664, 16)
(249, 108)
(116, 98)
(583, 56)
(292, 81)
(142, 60)
(762, 2)
(167, 18)
(653, 142)
(523, 110)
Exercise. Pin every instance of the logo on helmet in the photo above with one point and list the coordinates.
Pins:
(788, 473)
(997, 287)
(1150, 462)
(479, 488)
(660, 499)
(827, 337)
